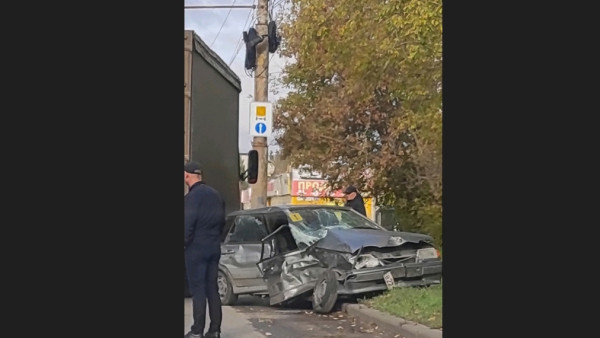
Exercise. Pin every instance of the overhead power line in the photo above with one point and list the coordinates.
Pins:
(224, 21)
(240, 43)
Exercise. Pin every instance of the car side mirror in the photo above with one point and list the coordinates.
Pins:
(252, 166)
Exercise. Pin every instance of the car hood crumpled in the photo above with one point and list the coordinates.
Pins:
(351, 240)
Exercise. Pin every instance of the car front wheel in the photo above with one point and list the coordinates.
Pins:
(325, 292)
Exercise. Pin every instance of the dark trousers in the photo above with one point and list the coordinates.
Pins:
(202, 264)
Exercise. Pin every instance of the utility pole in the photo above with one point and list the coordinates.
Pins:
(261, 94)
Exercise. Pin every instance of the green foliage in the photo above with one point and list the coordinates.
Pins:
(366, 103)
(422, 305)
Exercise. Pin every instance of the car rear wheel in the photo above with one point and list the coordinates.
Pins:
(225, 289)
(325, 292)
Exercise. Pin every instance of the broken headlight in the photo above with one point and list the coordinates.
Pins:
(426, 253)
(365, 261)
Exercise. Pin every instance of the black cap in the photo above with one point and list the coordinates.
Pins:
(193, 168)
(350, 190)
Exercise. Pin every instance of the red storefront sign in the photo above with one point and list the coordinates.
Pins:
(313, 188)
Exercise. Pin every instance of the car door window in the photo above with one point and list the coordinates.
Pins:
(275, 220)
(228, 225)
(247, 229)
(283, 241)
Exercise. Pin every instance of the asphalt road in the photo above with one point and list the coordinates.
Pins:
(252, 317)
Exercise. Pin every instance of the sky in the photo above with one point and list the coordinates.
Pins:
(221, 29)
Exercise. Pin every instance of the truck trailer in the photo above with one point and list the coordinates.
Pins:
(211, 114)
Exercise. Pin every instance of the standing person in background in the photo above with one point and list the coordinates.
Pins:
(204, 220)
(354, 200)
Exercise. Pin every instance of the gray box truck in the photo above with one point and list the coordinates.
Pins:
(211, 114)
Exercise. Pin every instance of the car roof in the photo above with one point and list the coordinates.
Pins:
(274, 208)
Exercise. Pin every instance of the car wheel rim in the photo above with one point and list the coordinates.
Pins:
(222, 284)
(320, 291)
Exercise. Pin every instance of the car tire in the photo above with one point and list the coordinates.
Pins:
(225, 289)
(325, 292)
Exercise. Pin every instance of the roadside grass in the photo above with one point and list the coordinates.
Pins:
(421, 305)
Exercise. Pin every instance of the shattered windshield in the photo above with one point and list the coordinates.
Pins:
(309, 225)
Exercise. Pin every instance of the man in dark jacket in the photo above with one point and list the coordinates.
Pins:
(204, 220)
(354, 200)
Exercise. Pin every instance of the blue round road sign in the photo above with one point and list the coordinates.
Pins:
(260, 128)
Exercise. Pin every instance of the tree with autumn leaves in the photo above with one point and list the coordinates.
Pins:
(365, 100)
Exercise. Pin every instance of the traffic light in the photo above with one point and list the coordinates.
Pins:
(251, 38)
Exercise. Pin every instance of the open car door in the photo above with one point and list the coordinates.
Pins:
(289, 272)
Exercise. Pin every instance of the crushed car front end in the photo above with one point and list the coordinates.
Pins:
(404, 274)
(408, 265)
(380, 260)
(340, 260)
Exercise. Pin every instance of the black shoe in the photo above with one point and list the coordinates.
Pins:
(212, 335)
(193, 335)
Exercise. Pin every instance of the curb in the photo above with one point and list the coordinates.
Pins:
(390, 323)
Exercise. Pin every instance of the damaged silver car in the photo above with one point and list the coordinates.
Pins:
(320, 253)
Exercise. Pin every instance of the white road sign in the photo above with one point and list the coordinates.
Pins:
(261, 118)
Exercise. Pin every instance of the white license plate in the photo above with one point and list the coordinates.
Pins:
(389, 280)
